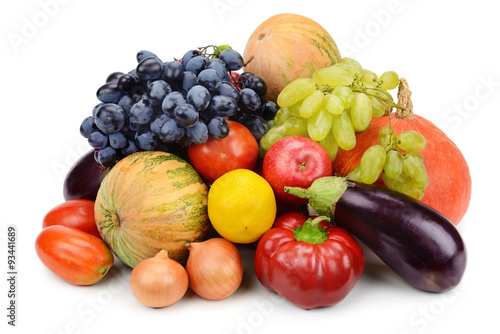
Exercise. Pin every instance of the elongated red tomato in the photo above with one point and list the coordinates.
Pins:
(76, 213)
(76, 256)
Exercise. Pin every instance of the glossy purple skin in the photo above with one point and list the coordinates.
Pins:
(415, 241)
(84, 179)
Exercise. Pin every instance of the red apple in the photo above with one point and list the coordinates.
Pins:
(295, 161)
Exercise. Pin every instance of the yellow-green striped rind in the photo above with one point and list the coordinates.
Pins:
(151, 201)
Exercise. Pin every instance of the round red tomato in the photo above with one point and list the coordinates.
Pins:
(219, 156)
(76, 213)
(76, 256)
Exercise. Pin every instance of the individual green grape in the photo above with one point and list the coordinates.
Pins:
(361, 112)
(331, 76)
(295, 91)
(295, 126)
(294, 109)
(345, 94)
(403, 185)
(348, 68)
(311, 104)
(319, 124)
(369, 77)
(333, 104)
(414, 168)
(282, 115)
(389, 80)
(411, 141)
(378, 109)
(330, 145)
(386, 137)
(343, 131)
(393, 164)
(354, 64)
(355, 174)
(272, 136)
(372, 164)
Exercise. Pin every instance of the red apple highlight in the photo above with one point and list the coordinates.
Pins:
(295, 161)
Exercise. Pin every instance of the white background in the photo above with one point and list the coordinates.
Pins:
(447, 50)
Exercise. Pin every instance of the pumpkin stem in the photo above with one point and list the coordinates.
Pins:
(248, 61)
(404, 99)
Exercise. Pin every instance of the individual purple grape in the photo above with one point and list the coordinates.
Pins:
(173, 72)
(98, 140)
(218, 128)
(198, 133)
(196, 64)
(130, 148)
(249, 101)
(146, 140)
(186, 115)
(171, 131)
(257, 126)
(258, 85)
(96, 107)
(113, 77)
(219, 66)
(199, 97)
(117, 140)
(232, 59)
(109, 93)
(126, 83)
(150, 68)
(188, 56)
(224, 105)
(269, 110)
(126, 103)
(106, 156)
(157, 90)
(209, 79)
(141, 112)
(110, 118)
(143, 54)
(189, 80)
(88, 126)
(172, 101)
(227, 89)
(157, 123)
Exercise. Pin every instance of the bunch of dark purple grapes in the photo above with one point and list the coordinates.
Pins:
(166, 106)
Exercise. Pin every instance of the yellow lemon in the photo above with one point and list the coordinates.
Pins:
(241, 206)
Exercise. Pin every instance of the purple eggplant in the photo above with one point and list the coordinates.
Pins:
(84, 178)
(414, 240)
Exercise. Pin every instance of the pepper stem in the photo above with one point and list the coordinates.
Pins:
(311, 232)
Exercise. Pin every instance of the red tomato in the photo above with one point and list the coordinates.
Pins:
(76, 213)
(219, 156)
(76, 256)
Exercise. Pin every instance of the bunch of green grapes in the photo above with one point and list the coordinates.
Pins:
(398, 160)
(332, 105)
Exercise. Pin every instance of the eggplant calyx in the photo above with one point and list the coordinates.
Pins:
(323, 193)
(311, 232)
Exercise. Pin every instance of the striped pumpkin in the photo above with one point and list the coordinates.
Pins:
(151, 201)
(286, 47)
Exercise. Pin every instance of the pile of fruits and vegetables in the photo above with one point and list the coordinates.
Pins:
(301, 156)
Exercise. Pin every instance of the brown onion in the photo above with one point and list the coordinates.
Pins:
(159, 281)
(214, 268)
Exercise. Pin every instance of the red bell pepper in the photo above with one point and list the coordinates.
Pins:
(309, 265)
